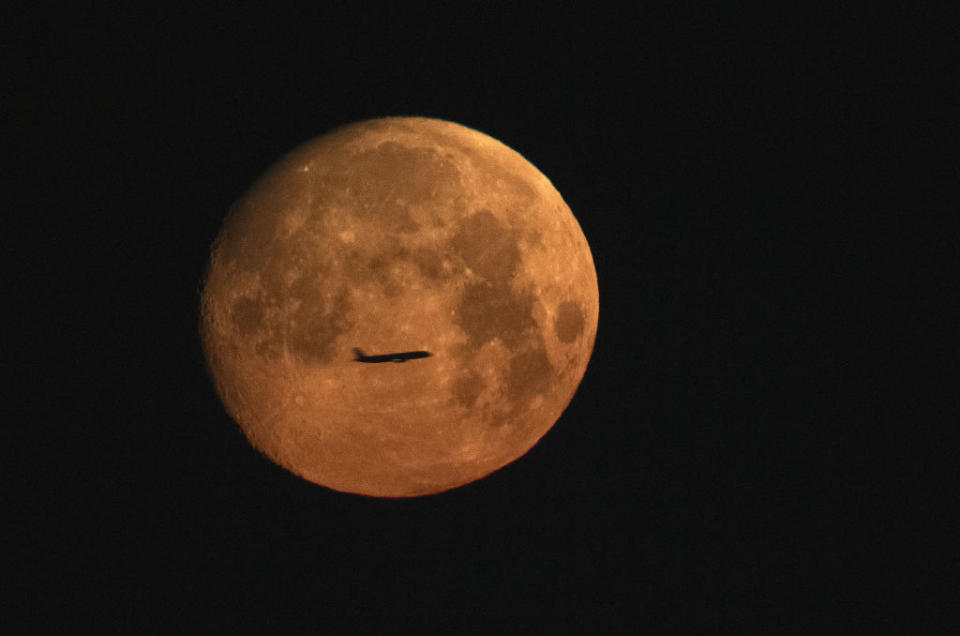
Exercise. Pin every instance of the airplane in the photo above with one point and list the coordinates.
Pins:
(389, 357)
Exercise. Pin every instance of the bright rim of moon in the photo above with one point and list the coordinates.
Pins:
(395, 235)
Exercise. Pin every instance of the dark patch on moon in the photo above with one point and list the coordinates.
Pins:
(429, 263)
(301, 319)
(317, 324)
(467, 387)
(362, 268)
(569, 322)
(270, 347)
(487, 311)
(246, 315)
(486, 246)
(378, 268)
(530, 374)
(392, 289)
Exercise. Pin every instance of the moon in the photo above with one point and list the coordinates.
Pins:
(392, 235)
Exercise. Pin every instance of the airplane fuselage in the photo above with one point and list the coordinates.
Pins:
(390, 357)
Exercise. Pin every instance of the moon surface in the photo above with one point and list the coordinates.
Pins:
(393, 235)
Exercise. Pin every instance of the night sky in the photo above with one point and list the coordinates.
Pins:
(760, 442)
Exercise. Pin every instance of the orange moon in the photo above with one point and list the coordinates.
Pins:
(393, 235)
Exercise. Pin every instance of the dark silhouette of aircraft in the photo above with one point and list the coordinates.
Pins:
(390, 357)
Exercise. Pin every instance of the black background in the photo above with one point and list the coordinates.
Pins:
(760, 443)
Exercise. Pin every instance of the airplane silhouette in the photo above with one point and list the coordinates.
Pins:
(389, 357)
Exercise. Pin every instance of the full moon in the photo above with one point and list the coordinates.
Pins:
(394, 236)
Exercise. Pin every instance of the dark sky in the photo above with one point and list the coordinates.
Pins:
(760, 443)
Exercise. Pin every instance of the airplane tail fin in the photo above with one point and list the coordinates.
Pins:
(357, 353)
